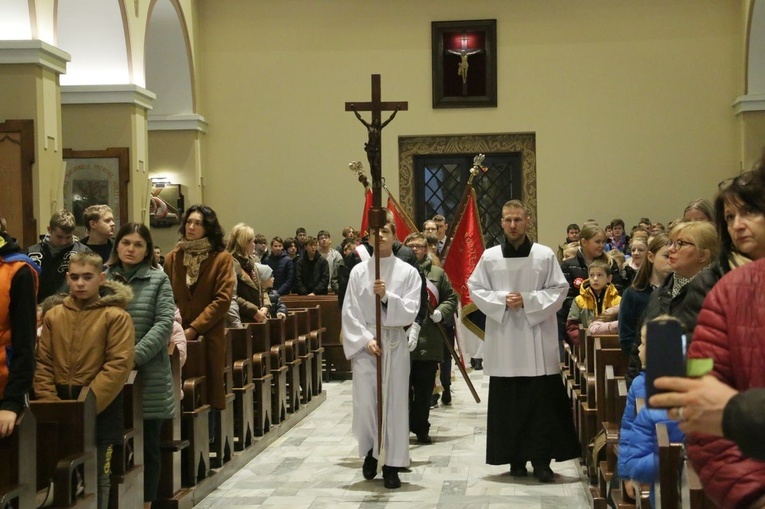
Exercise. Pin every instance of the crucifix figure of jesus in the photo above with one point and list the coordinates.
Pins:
(374, 130)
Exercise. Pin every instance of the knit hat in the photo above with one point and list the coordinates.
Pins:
(264, 271)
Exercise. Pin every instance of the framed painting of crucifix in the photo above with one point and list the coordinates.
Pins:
(464, 63)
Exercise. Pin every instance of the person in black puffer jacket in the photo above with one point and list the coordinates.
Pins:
(281, 263)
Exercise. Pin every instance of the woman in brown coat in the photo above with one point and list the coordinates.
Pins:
(202, 275)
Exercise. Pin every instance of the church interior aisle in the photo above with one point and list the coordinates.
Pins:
(315, 465)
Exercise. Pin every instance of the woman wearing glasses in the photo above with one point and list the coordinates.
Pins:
(693, 247)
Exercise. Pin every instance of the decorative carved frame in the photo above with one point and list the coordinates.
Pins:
(113, 164)
(525, 143)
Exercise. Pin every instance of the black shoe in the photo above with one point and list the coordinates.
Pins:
(424, 438)
(390, 477)
(544, 474)
(446, 399)
(518, 471)
(478, 364)
(369, 469)
(434, 401)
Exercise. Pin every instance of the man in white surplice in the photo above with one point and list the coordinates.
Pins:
(399, 287)
(520, 286)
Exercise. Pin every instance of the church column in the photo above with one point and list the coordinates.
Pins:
(750, 110)
(176, 155)
(97, 117)
(30, 90)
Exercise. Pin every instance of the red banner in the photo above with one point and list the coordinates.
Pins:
(465, 251)
(402, 228)
(364, 230)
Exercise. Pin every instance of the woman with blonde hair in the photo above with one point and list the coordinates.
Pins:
(249, 294)
(693, 247)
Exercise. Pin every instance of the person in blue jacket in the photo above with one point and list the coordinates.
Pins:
(638, 443)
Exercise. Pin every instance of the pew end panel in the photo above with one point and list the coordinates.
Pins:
(18, 468)
(66, 450)
(170, 493)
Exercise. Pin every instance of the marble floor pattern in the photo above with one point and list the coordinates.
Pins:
(316, 465)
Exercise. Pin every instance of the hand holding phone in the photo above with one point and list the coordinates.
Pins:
(665, 352)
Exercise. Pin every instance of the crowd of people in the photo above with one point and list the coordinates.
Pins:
(85, 312)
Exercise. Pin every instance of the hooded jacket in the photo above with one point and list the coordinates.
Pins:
(284, 272)
(18, 324)
(92, 345)
(152, 310)
(53, 267)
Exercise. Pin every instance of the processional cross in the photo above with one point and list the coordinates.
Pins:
(374, 129)
(376, 215)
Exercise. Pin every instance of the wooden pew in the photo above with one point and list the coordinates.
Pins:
(66, 450)
(293, 362)
(244, 416)
(305, 355)
(127, 458)
(18, 476)
(606, 413)
(604, 356)
(195, 416)
(316, 335)
(336, 366)
(668, 487)
(170, 493)
(222, 444)
(616, 399)
(696, 497)
(279, 370)
(588, 423)
(261, 376)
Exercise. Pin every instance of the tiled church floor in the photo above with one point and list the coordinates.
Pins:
(316, 465)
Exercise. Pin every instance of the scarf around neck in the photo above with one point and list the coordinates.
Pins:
(194, 253)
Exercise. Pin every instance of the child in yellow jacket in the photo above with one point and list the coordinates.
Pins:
(596, 294)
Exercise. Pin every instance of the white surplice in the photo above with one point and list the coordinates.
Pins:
(403, 285)
(519, 342)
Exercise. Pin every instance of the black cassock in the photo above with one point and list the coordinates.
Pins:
(529, 418)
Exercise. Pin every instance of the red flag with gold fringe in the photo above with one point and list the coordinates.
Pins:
(466, 249)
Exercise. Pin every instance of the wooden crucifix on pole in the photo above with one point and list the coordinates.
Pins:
(377, 220)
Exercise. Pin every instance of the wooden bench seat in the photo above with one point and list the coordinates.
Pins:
(244, 415)
(334, 364)
(127, 458)
(195, 415)
(279, 369)
(170, 492)
(261, 376)
(293, 362)
(66, 450)
(18, 468)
